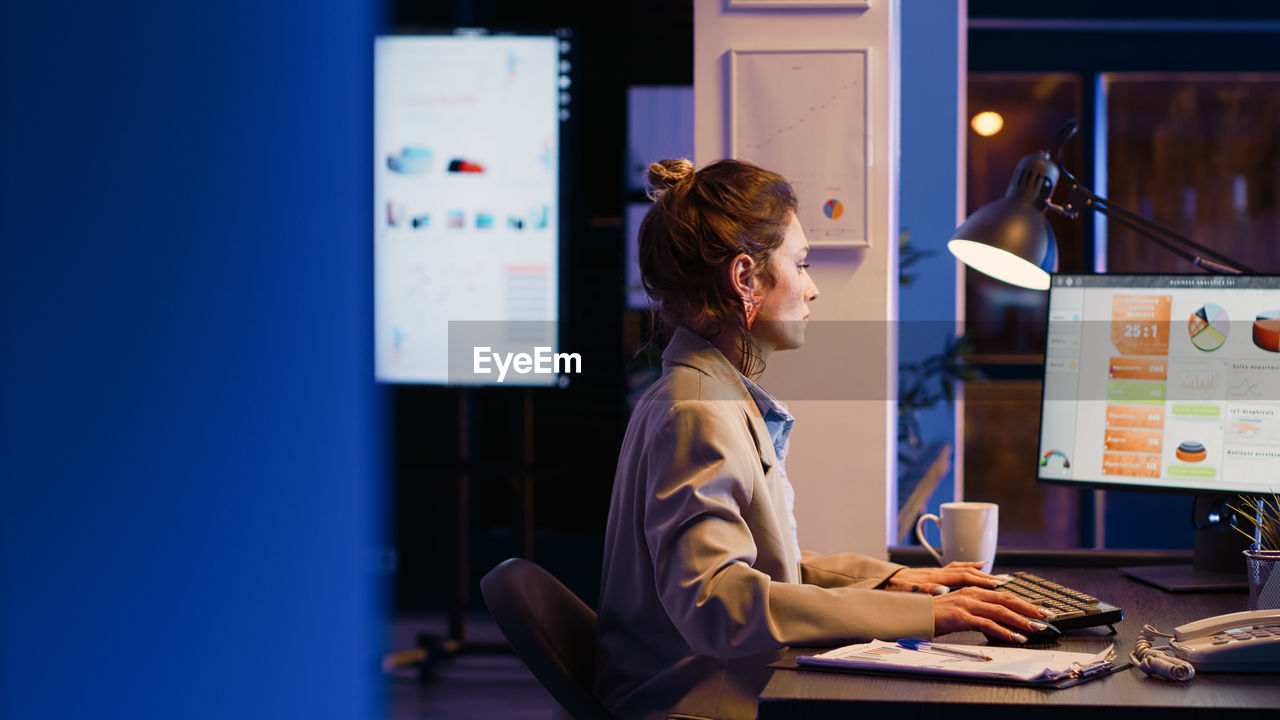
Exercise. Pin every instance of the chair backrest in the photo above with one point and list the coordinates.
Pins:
(550, 628)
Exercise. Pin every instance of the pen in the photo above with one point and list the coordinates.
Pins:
(926, 646)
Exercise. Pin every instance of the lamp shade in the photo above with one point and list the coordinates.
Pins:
(1010, 239)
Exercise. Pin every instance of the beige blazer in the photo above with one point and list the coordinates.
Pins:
(701, 589)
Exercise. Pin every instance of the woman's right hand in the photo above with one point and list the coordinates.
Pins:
(999, 614)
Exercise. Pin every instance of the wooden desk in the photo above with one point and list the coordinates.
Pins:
(1128, 694)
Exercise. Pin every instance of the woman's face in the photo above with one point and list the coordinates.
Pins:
(781, 321)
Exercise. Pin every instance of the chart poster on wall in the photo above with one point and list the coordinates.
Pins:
(803, 114)
(466, 192)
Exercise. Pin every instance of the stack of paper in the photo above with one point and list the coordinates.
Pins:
(1007, 663)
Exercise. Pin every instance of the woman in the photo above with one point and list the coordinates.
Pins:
(704, 582)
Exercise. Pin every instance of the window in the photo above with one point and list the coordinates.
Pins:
(1006, 323)
(1198, 154)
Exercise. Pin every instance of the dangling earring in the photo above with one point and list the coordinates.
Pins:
(751, 306)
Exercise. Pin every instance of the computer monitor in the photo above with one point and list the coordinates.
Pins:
(469, 211)
(1168, 383)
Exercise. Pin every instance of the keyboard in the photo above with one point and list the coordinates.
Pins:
(1069, 609)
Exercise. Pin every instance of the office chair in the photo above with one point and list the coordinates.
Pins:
(549, 628)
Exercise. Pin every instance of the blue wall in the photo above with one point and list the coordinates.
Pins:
(190, 455)
(930, 40)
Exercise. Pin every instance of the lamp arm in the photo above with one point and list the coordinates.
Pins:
(1162, 236)
(1154, 237)
(1184, 247)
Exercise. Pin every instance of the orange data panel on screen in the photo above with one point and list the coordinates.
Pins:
(1123, 368)
(1131, 465)
(1135, 416)
(1140, 324)
(1143, 441)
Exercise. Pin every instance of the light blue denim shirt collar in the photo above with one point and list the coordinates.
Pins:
(778, 421)
(776, 417)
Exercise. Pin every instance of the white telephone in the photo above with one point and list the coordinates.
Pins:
(1236, 642)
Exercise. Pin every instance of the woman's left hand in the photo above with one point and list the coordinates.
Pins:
(954, 575)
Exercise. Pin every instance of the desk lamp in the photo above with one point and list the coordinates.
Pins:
(1010, 239)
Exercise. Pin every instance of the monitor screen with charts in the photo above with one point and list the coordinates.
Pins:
(1167, 382)
(467, 212)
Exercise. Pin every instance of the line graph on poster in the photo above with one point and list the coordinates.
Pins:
(803, 114)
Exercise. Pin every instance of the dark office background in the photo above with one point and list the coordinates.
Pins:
(578, 430)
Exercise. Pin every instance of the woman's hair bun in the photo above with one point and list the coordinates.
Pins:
(666, 174)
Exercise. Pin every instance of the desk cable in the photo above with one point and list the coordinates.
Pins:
(1156, 662)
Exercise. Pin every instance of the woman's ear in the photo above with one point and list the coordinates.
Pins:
(742, 275)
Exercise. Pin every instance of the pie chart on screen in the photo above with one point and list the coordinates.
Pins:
(1208, 327)
(833, 208)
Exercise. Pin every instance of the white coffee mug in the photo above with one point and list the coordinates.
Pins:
(968, 530)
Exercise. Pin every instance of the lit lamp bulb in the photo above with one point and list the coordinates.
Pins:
(987, 123)
(1010, 239)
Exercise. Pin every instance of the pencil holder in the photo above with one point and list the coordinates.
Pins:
(1263, 570)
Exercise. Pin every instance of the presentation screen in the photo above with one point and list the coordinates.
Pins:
(467, 206)
(1163, 381)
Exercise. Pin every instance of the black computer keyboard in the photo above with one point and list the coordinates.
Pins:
(1069, 609)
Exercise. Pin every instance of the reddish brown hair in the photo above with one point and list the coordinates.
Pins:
(699, 222)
